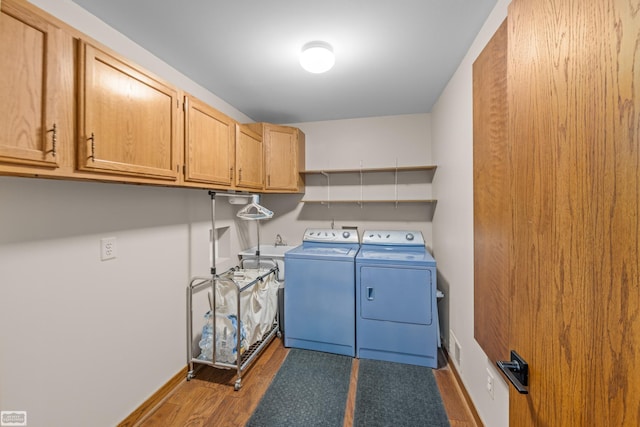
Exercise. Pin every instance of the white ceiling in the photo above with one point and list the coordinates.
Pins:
(392, 56)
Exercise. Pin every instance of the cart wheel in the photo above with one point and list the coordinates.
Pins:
(190, 375)
(279, 334)
(237, 385)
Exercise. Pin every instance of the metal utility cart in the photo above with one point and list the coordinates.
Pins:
(243, 356)
(240, 284)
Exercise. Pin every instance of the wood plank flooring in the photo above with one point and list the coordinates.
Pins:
(210, 400)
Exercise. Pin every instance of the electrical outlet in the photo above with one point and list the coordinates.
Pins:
(107, 248)
(490, 383)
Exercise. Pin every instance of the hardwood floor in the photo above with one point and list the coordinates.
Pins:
(210, 400)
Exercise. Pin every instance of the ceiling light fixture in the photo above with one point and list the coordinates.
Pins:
(317, 57)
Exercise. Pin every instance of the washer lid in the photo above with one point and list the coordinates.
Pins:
(323, 251)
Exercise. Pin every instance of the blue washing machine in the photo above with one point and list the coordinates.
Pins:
(319, 299)
(396, 305)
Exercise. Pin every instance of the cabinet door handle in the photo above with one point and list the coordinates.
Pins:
(370, 293)
(54, 140)
(269, 180)
(240, 174)
(231, 173)
(93, 147)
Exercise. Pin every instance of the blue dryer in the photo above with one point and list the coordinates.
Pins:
(319, 299)
(396, 306)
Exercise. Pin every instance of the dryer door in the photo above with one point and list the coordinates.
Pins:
(396, 294)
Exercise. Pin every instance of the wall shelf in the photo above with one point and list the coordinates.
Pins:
(371, 170)
(326, 202)
(361, 172)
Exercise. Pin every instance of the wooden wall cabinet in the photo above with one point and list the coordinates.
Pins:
(209, 144)
(284, 157)
(75, 109)
(30, 88)
(249, 152)
(127, 119)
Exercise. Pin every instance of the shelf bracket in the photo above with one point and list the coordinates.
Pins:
(361, 187)
(326, 175)
(396, 183)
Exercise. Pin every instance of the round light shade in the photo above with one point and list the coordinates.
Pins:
(317, 57)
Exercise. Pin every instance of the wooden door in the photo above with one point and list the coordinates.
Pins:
(209, 144)
(127, 118)
(249, 172)
(281, 169)
(29, 88)
(574, 137)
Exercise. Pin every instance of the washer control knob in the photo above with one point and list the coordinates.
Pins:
(346, 234)
(409, 236)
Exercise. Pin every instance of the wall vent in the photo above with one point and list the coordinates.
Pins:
(456, 350)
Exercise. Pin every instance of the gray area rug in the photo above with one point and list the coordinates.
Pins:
(310, 389)
(395, 394)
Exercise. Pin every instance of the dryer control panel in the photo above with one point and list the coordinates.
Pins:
(330, 235)
(393, 238)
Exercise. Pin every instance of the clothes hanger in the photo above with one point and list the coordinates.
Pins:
(254, 210)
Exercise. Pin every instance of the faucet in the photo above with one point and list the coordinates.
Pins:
(279, 241)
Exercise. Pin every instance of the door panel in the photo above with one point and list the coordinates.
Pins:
(30, 86)
(280, 162)
(127, 119)
(209, 144)
(574, 123)
(491, 199)
(248, 158)
(396, 294)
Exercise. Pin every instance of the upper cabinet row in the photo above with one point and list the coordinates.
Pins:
(77, 110)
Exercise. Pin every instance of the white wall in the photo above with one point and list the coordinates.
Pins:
(452, 125)
(84, 341)
(355, 143)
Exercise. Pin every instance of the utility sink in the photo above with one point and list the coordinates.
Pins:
(277, 254)
(267, 251)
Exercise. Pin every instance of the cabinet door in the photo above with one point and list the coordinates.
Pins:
(209, 144)
(127, 119)
(248, 158)
(29, 84)
(281, 158)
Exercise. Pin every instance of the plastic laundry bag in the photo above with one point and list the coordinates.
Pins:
(226, 338)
